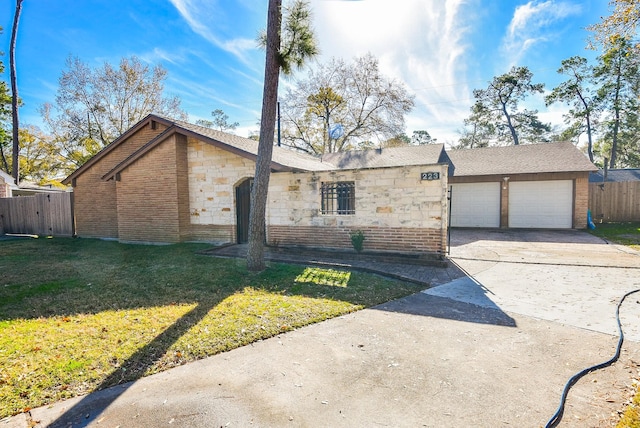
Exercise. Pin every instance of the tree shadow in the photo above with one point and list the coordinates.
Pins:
(461, 300)
(206, 292)
(90, 406)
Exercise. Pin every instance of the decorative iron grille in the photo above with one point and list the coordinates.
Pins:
(339, 198)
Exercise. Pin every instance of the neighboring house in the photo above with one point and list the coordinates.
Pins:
(171, 181)
(8, 188)
(615, 176)
(7, 185)
(614, 195)
(527, 186)
(31, 189)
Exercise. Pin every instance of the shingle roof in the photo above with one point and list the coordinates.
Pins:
(522, 159)
(375, 158)
(289, 160)
(533, 158)
(280, 156)
(615, 175)
(427, 154)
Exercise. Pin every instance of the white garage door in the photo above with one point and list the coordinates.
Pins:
(475, 205)
(544, 204)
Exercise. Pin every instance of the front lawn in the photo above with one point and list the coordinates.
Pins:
(626, 234)
(620, 233)
(77, 315)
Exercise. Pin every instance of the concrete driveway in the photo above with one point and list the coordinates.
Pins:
(566, 276)
(491, 350)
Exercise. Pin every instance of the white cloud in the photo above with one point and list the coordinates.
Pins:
(532, 24)
(197, 12)
(420, 43)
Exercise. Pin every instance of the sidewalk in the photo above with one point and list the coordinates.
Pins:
(428, 273)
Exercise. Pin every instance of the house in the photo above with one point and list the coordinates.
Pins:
(8, 188)
(171, 181)
(615, 176)
(7, 185)
(527, 186)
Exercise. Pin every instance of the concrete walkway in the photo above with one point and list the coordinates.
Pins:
(459, 354)
(428, 274)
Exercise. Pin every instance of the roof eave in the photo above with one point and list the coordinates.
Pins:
(177, 129)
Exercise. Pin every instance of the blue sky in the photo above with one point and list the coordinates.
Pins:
(440, 49)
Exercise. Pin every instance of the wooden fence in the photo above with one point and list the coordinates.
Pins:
(615, 201)
(49, 214)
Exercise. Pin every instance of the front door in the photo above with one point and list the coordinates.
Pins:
(243, 205)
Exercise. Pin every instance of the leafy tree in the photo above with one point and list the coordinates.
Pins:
(476, 132)
(220, 121)
(422, 137)
(618, 91)
(577, 92)
(14, 94)
(401, 140)
(5, 114)
(95, 106)
(495, 114)
(40, 161)
(356, 96)
(284, 50)
(623, 21)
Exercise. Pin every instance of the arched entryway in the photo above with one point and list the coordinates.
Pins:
(243, 205)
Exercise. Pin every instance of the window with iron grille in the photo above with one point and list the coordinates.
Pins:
(339, 197)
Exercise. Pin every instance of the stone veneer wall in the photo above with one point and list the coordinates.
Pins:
(213, 176)
(396, 210)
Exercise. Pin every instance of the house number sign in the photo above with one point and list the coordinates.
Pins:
(429, 176)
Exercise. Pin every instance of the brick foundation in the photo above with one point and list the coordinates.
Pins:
(410, 240)
(216, 233)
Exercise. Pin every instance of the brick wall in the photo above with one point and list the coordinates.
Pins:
(5, 190)
(148, 199)
(581, 202)
(402, 239)
(215, 233)
(182, 177)
(95, 206)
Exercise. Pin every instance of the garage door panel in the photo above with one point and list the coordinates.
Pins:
(541, 204)
(475, 205)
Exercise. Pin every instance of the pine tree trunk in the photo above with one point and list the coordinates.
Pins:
(14, 95)
(255, 252)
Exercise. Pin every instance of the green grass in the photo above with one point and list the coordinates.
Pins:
(78, 315)
(626, 234)
(621, 233)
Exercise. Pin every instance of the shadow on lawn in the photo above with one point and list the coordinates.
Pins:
(90, 406)
(169, 278)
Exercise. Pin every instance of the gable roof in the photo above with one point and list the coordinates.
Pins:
(615, 175)
(281, 160)
(521, 159)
